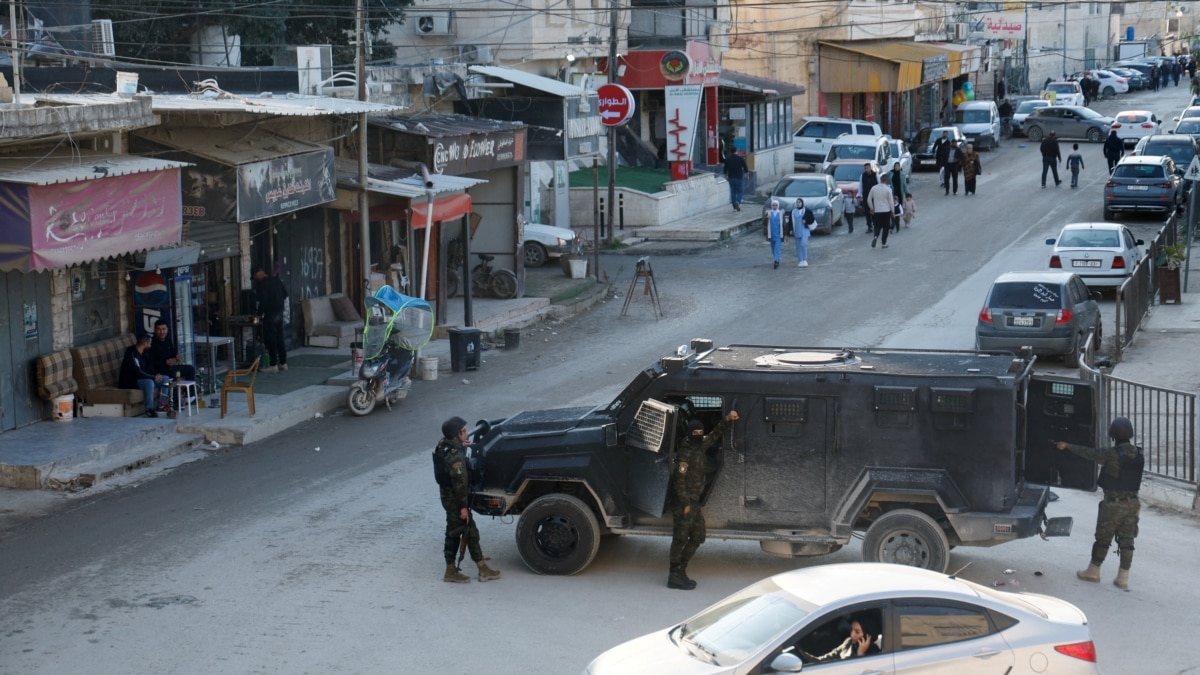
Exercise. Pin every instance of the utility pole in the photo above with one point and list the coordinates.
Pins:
(611, 211)
(364, 206)
(1064, 70)
(16, 50)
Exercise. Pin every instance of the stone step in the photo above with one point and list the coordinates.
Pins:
(103, 463)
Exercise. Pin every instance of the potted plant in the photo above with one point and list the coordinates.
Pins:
(1170, 258)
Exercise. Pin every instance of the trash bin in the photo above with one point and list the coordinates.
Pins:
(512, 338)
(465, 346)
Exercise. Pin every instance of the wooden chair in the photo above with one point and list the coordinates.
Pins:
(232, 384)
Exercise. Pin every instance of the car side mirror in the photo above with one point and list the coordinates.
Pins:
(1050, 242)
(1139, 242)
(786, 663)
(1097, 296)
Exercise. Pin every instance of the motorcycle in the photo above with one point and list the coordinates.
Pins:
(485, 280)
(396, 327)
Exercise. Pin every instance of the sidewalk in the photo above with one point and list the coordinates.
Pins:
(77, 454)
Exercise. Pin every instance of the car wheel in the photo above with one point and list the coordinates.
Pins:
(1094, 135)
(1034, 134)
(1109, 92)
(558, 534)
(535, 254)
(907, 537)
(1071, 358)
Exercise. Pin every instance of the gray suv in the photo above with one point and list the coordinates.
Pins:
(1052, 312)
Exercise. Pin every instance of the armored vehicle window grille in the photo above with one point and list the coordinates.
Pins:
(1060, 401)
(650, 426)
(896, 399)
(706, 402)
(1062, 389)
(953, 400)
(786, 410)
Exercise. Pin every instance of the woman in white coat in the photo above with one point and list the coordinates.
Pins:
(803, 221)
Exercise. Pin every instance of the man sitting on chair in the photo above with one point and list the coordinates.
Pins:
(165, 357)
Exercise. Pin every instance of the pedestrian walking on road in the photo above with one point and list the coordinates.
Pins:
(951, 156)
(450, 472)
(899, 187)
(735, 173)
(1051, 158)
(866, 183)
(849, 210)
(910, 209)
(1121, 468)
(803, 221)
(1074, 164)
(882, 206)
(939, 147)
(1114, 149)
(972, 169)
(775, 230)
(686, 486)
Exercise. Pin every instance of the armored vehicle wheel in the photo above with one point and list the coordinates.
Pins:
(558, 534)
(907, 537)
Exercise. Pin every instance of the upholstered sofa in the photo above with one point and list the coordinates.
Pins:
(97, 371)
(330, 321)
(55, 375)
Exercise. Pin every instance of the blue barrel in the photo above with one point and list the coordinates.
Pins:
(1129, 34)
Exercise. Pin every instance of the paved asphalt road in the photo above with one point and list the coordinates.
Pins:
(319, 550)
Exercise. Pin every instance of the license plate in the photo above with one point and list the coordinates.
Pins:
(1139, 188)
(929, 161)
(1022, 321)
(1085, 263)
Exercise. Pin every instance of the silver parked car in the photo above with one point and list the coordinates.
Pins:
(912, 621)
(1051, 312)
(1102, 254)
(1145, 184)
(901, 153)
(1068, 121)
(1024, 108)
(820, 193)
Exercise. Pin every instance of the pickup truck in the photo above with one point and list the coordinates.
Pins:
(917, 451)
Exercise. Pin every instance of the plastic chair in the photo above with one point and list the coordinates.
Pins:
(183, 394)
(232, 384)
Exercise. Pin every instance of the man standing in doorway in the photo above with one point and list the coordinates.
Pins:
(272, 296)
(686, 487)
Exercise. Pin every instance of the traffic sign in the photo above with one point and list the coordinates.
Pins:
(1193, 172)
(616, 104)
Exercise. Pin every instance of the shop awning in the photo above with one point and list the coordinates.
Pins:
(762, 86)
(69, 209)
(404, 184)
(542, 84)
(883, 67)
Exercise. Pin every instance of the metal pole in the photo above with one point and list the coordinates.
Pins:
(1064, 39)
(16, 51)
(596, 215)
(613, 77)
(1191, 228)
(364, 205)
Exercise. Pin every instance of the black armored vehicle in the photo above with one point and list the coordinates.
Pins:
(919, 451)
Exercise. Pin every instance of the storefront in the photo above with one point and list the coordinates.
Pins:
(248, 200)
(900, 85)
(70, 221)
(564, 127)
(756, 121)
(491, 152)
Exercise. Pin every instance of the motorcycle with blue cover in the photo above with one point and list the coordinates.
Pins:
(396, 327)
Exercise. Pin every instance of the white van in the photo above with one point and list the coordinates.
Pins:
(865, 148)
(979, 121)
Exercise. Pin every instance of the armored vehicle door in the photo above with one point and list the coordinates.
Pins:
(1060, 409)
(648, 444)
(786, 453)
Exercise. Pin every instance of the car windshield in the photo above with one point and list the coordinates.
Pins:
(846, 172)
(974, 117)
(1182, 153)
(1094, 238)
(1188, 127)
(800, 188)
(1026, 295)
(1029, 106)
(852, 152)
(743, 623)
(1062, 88)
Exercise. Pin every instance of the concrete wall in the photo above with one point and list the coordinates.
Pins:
(679, 199)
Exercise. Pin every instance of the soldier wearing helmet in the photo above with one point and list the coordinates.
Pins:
(450, 472)
(686, 487)
(1120, 477)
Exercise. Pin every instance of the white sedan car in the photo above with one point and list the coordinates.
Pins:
(543, 242)
(906, 619)
(1103, 254)
(1131, 125)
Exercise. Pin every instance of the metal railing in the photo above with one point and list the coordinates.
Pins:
(1164, 421)
(1136, 295)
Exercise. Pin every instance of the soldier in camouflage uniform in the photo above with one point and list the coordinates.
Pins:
(450, 468)
(686, 486)
(1120, 478)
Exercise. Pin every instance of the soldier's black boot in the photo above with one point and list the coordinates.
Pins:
(688, 580)
(678, 581)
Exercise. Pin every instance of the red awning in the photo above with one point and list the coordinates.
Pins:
(446, 208)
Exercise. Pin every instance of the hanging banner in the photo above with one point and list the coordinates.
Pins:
(683, 112)
(285, 184)
(1006, 26)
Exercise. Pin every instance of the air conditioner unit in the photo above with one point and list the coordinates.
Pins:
(961, 30)
(434, 23)
(102, 38)
(477, 54)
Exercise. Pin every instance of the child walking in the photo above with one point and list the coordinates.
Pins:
(849, 207)
(910, 209)
(1075, 163)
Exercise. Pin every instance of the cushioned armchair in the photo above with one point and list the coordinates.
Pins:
(330, 321)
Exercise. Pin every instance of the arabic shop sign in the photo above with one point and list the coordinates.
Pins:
(473, 153)
(284, 184)
(935, 68)
(1007, 26)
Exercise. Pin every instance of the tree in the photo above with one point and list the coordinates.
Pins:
(160, 31)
